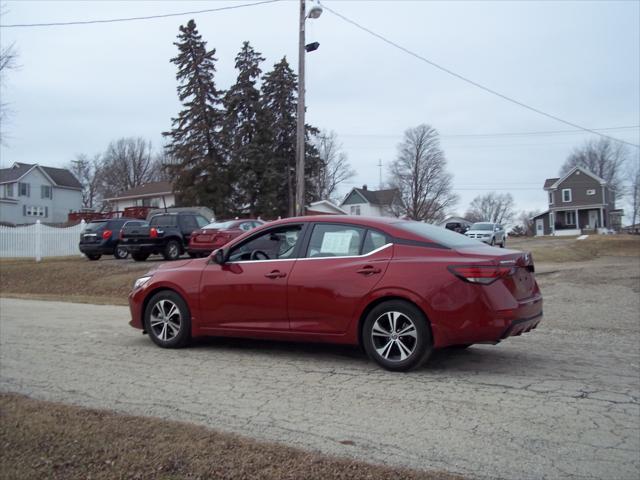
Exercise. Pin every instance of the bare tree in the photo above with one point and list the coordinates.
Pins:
(127, 163)
(333, 167)
(526, 221)
(420, 174)
(8, 58)
(492, 207)
(603, 157)
(87, 171)
(634, 190)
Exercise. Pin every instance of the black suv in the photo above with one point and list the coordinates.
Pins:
(167, 234)
(102, 237)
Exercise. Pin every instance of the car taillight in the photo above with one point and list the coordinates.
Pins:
(106, 235)
(153, 233)
(482, 274)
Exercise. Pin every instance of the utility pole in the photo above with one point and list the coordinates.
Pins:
(300, 203)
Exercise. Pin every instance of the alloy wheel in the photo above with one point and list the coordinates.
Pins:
(165, 320)
(394, 336)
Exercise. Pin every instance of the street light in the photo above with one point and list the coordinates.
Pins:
(314, 12)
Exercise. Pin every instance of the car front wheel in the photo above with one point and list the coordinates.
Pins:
(93, 256)
(396, 336)
(167, 320)
(139, 256)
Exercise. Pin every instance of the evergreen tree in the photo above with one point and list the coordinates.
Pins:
(242, 130)
(199, 169)
(279, 94)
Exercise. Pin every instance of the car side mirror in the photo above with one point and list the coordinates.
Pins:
(218, 256)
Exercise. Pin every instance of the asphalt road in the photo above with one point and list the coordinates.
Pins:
(559, 402)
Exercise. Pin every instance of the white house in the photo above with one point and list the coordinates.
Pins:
(30, 192)
(152, 194)
(324, 207)
(372, 203)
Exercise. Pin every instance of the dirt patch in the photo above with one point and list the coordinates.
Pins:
(70, 279)
(49, 440)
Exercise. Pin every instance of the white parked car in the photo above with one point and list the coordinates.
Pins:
(491, 233)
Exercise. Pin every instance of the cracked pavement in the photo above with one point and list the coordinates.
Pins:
(559, 402)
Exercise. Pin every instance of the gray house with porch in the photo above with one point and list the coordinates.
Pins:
(579, 202)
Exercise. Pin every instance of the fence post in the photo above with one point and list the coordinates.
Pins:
(38, 241)
(83, 225)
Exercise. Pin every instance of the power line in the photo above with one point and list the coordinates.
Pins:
(130, 19)
(472, 82)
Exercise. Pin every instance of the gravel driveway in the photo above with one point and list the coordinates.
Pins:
(559, 402)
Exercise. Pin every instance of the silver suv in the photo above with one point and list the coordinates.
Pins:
(491, 233)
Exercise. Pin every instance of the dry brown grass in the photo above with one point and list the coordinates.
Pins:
(71, 279)
(569, 249)
(49, 440)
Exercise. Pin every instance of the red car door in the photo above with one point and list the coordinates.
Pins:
(249, 291)
(341, 264)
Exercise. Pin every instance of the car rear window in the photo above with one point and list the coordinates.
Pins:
(442, 236)
(221, 225)
(93, 226)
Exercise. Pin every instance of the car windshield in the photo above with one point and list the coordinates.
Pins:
(220, 225)
(482, 226)
(447, 238)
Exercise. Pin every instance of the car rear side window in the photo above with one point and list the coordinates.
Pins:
(373, 240)
(164, 221)
(439, 235)
(335, 241)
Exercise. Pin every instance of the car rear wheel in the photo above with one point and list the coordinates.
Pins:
(396, 336)
(167, 320)
(93, 256)
(139, 256)
(493, 241)
(120, 253)
(171, 250)
(504, 242)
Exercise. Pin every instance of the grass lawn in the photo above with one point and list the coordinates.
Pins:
(108, 281)
(49, 440)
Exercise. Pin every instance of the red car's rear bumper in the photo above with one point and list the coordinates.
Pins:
(520, 326)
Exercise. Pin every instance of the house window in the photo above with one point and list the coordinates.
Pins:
(570, 218)
(355, 209)
(550, 198)
(46, 191)
(35, 211)
(566, 195)
(9, 189)
(24, 189)
(591, 192)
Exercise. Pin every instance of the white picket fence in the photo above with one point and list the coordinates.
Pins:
(39, 241)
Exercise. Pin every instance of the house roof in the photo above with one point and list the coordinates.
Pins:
(324, 206)
(550, 181)
(375, 197)
(558, 181)
(147, 190)
(60, 177)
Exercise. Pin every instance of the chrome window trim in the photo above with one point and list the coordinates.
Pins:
(379, 249)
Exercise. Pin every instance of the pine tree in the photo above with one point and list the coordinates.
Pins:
(241, 131)
(279, 93)
(199, 169)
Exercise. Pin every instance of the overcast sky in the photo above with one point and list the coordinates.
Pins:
(78, 87)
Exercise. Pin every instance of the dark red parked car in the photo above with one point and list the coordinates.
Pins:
(217, 234)
(399, 288)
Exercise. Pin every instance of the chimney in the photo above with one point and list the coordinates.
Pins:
(364, 187)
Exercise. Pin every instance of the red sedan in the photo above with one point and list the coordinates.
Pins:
(399, 288)
(217, 234)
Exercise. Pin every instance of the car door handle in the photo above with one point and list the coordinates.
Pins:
(368, 270)
(275, 274)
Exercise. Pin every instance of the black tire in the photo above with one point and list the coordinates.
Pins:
(139, 256)
(120, 253)
(375, 344)
(504, 242)
(171, 250)
(93, 256)
(493, 241)
(156, 326)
